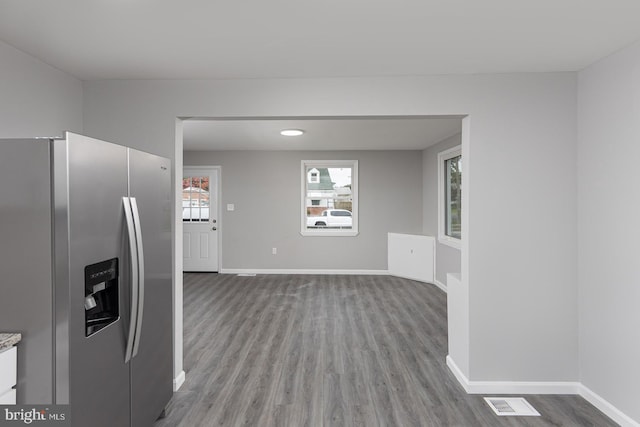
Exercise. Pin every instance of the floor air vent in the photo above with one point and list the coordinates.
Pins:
(511, 406)
(246, 274)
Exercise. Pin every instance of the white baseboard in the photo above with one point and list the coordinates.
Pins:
(179, 380)
(542, 387)
(300, 271)
(462, 379)
(607, 408)
(441, 285)
(512, 387)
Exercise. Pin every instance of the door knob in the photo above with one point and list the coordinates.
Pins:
(214, 228)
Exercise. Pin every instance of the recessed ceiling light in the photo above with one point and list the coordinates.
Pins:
(291, 132)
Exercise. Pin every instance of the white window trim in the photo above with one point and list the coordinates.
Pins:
(443, 156)
(353, 164)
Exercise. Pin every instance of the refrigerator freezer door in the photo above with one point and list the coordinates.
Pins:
(98, 374)
(152, 367)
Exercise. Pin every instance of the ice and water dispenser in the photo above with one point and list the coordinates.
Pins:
(101, 306)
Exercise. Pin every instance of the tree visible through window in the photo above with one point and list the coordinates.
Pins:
(450, 196)
(453, 197)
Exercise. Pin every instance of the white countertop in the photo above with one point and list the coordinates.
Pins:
(9, 340)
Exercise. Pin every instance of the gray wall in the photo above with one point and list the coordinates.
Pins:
(265, 188)
(36, 99)
(522, 126)
(609, 231)
(448, 259)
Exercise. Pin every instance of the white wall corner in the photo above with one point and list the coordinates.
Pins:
(178, 381)
(607, 408)
(178, 321)
(462, 379)
(441, 285)
(539, 387)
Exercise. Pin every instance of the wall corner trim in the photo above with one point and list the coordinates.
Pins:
(512, 387)
(455, 370)
(541, 387)
(606, 407)
(441, 285)
(179, 380)
(301, 271)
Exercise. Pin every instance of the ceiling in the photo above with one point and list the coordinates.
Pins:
(367, 133)
(251, 39)
(224, 39)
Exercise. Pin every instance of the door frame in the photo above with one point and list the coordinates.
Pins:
(218, 197)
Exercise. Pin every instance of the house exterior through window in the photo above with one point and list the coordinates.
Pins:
(313, 177)
(329, 198)
(195, 199)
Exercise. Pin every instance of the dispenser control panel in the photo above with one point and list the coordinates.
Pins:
(101, 307)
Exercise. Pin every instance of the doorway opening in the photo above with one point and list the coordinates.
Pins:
(247, 154)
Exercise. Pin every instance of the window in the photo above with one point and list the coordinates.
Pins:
(313, 176)
(329, 198)
(195, 199)
(450, 197)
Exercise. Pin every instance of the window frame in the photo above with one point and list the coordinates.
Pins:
(443, 157)
(306, 164)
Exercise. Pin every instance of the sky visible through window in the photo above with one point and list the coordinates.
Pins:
(340, 176)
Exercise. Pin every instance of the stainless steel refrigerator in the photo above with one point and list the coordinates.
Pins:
(85, 259)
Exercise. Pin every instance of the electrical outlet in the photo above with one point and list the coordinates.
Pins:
(274, 251)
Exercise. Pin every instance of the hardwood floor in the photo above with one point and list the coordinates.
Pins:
(306, 350)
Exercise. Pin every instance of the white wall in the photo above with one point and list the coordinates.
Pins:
(608, 227)
(265, 188)
(520, 265)
(36, 99)
(448, 259)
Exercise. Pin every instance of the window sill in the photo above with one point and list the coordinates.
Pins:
(450, 241)
(333, 233)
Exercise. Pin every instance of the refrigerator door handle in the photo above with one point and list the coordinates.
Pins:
(139, 317)
(133, 252)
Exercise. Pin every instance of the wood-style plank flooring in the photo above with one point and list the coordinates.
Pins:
(307, 350)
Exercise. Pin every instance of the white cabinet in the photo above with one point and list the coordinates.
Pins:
(8, 375)
(9, 398)
(412, 256)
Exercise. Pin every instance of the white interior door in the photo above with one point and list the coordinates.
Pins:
(200, 199)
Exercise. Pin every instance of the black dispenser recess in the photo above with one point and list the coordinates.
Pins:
(101, 306)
